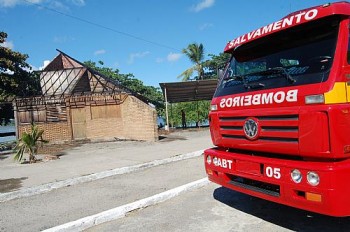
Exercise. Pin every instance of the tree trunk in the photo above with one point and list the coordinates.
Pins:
(32, 154)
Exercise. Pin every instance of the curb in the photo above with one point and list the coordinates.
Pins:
(6, 152)
(121, 211)
(31, 191)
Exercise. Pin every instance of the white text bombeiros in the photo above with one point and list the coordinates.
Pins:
(260, 99)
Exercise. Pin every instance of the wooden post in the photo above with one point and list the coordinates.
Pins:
(198, 115)
(166, 110)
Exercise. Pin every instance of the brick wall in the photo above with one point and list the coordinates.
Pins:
(139, 120)
(54, 131)
(132, 119)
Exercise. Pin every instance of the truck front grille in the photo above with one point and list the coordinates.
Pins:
(280, 128)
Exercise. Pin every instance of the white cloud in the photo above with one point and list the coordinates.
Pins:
(8, 44)
(8, 3)
(99, 52)
(54, 4)
(205, 26)
(12, 3)
(134, 56)
(79, 2)
(45, 63)
(35, 68)
(172, 57)
(59, 6)
(203, 5)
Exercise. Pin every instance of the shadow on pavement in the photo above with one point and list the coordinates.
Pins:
(3, 157)
(169, 138)
(8, 185)
(281, 215)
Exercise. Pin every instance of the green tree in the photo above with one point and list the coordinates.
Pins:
(196, 112)
(214, 64)
(28, 143)
(195, 52)
(16, 77)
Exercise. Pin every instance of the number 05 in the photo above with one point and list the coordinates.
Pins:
(273, 172)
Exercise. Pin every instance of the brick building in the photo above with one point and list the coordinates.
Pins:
(78, 103)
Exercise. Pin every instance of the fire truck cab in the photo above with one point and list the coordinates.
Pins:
(280, 117)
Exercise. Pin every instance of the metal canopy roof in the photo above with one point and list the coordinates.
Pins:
(189, 90)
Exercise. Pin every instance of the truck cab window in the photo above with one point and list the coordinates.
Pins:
(298, 56)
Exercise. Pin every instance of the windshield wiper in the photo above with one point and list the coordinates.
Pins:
(284, 72)
(275, 70)
(254, 85)
(234, 78)
(244, 80)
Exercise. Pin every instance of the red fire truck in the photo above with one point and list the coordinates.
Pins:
(280, 117)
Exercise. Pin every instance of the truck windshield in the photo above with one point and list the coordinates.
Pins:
(296, 56)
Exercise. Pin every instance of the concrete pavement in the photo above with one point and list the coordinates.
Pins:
(97, 161)
(98, 157)
(88, 204)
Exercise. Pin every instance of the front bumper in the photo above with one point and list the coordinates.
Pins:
(270, 179)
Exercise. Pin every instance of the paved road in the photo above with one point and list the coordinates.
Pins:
(71, 203)
(210, 208)
(214, 208)
(98, 157)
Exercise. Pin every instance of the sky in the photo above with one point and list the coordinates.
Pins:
(142, 37)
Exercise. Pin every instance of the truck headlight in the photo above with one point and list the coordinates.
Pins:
(208, 159)
(296, 176)
(215, 161)
(213, 107)
(314, 99)
(313, 178)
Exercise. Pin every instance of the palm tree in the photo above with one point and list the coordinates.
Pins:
(28, 143)
(195, 52)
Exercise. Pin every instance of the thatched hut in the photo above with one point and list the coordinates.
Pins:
(78, 103)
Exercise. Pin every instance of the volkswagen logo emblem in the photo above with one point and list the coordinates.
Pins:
(251, 128)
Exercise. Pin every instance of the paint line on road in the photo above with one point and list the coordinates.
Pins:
(121, 211)
(35, 190)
